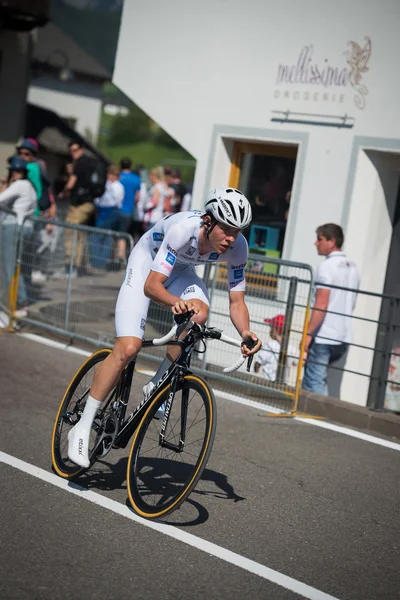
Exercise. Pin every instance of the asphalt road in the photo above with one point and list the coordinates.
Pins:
(311, 504)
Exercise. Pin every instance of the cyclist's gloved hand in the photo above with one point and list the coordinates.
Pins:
(250, 345)
(185, 306)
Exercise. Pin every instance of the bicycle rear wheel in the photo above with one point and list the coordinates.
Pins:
(69, 413)
(160, 478)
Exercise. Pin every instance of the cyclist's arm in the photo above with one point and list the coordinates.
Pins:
(239, 315)
(155, 290)
(239, 312)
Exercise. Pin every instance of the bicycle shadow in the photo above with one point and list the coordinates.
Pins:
(112, 477)
(157, 480)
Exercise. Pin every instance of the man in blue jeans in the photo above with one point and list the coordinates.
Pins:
(329, 330)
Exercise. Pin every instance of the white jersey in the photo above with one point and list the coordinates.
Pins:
(337, 270)
(171, 247)
(173, 243)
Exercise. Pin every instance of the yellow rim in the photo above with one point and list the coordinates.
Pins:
(53, 459)
(170, 508)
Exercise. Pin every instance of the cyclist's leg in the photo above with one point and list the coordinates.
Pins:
(130, 319)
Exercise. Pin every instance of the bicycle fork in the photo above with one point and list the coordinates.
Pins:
(184, 409)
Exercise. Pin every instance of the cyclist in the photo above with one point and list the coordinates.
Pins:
(161, 268)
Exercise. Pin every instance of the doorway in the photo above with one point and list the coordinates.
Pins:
(388, 338)
(265, 174)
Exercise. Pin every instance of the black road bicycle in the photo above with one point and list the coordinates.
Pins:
(168, 455)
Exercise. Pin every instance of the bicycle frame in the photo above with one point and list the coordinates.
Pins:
(178, 369)
(175, 373)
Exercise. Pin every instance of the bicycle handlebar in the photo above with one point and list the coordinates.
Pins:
(184, 323)
(167, 337)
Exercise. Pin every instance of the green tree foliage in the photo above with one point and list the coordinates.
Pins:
(164, 139)
(133, 128)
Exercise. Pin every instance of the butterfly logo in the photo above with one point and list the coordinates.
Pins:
(357, 59)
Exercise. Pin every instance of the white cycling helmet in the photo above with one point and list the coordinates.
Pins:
(229, 206)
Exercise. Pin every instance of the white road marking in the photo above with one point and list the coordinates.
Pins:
(187, 538)
(257, 405)
(53, 344)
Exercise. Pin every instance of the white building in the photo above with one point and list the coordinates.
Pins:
(313, 86)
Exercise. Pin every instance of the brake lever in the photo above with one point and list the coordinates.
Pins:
(250, 345)
(182, 321)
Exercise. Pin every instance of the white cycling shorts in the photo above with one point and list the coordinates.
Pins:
(132, 305)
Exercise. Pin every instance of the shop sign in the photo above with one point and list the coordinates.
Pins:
(314, 79)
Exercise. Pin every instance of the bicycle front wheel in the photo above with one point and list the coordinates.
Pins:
(162, 472)
(69, 413)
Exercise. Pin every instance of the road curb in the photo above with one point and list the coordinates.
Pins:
(344, 413)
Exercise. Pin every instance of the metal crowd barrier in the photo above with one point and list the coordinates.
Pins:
(369, 374)
(273, 287)
(70, 277)
(80, 304)
(9, 231)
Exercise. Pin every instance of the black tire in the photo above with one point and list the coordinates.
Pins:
(69, 413)
(157, 485)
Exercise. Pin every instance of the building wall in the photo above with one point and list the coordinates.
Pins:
(224, 67)
(70, 100)
(15, 53)
(230, 69)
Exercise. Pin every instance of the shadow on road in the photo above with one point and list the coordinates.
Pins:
(158, 483)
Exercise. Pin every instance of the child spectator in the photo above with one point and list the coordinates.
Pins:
(268, 358)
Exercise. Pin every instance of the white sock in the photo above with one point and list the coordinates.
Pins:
(91, 407)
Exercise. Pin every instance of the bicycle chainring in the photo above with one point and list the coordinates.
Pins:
(106, 435)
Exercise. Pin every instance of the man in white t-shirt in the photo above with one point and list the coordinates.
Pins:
(268, 358)
(330, 330)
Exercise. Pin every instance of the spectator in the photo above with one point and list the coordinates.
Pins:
(78, 190)
(46, 206)
(110, 203)
(179, 189)
(108, 216)
(154, 209)
(129, 214)
(27, 150)
(169, 200)
(268, 358)
(141, 202)
(20, 196)
(187, 198)
(46, 202)
(329, 330)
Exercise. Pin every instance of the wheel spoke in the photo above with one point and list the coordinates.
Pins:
(69, 415)
(160, 477)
